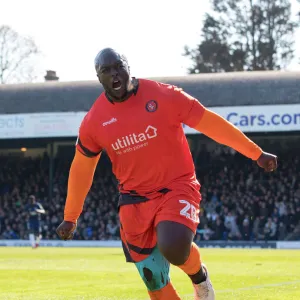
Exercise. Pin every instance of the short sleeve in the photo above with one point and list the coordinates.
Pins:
(40, 206)
(187, 109)
(86, 143)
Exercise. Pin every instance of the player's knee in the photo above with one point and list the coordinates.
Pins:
(174, 241)
(176, 254)
(154, 271)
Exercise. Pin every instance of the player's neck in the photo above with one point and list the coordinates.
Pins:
(132, 90)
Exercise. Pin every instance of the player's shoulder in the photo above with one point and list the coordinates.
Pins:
(163, 88)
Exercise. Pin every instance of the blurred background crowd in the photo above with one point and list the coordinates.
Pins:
(239, 200)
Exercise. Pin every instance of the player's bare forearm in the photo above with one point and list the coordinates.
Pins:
(40, 211)
(80, 181)
(223, 132)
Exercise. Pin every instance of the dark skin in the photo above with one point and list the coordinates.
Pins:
(173, 239)
(32, 200)
(113, 73)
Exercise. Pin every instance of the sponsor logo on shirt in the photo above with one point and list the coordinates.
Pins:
(134, 141)
(112, 120)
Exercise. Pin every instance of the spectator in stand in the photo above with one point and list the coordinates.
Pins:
(281, 231)
(9, 233)
(111, 229)
(218, 229)
(246, 228)
(231, 225)
(270, 230)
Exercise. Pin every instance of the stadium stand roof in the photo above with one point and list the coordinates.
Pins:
(222, 89)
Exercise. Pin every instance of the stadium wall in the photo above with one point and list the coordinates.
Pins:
(117, 244)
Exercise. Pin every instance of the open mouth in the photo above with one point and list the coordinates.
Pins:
(117, 84)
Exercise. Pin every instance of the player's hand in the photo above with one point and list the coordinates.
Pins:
(66, 230)
(267, 161)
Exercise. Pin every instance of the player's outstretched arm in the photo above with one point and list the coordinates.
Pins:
(223, 132)
(80, 181)
(40, 211)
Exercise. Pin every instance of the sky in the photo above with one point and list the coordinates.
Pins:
(152, 34)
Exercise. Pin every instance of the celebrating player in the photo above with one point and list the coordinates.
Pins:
(34, 209)
(139, 124)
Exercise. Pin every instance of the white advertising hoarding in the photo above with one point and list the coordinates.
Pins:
(40, 125)
(264, 118)
(260, 118)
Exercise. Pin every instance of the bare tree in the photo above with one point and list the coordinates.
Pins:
(17, 55)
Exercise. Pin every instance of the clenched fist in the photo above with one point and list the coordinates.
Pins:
(267, 161)
(66, 230)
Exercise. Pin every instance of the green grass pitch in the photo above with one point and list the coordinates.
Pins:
(101, 273)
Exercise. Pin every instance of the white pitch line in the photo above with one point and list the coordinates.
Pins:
(254, 287)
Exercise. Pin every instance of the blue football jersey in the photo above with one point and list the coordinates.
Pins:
(34, 216)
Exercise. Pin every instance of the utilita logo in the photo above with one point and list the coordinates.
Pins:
(113, 120)
(135, 138)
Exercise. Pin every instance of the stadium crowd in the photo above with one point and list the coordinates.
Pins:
(239, 200)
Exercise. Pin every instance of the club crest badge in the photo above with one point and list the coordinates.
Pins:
(151, 106)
